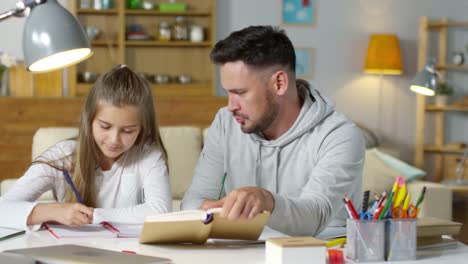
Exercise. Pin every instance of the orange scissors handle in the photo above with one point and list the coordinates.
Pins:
(412, 211)
(398, 213)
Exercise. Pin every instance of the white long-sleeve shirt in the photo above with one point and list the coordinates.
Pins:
(123, 194)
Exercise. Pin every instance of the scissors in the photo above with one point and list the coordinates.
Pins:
(400, 213)
(365, 215)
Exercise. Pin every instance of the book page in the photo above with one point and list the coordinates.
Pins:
(82, 231)
(128, 230)
(188, 215)
(7, 232)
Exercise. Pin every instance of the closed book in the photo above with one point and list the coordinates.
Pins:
(436, 242)
(430, 227)
(196, 226)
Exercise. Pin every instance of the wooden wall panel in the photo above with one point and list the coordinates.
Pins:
(21, 117)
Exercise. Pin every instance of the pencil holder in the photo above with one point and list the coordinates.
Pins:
(400, 243)
(365, 240)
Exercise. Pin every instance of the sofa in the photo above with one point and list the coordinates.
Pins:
(184, 144)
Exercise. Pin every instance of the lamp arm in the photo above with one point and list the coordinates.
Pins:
(21, 7)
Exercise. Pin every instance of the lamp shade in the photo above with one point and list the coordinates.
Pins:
(426, 80)
(383, 55)
(53, 38)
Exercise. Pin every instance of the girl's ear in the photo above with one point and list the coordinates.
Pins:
(280, 82)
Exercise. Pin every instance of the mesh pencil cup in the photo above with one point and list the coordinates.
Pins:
(365, 240)
(400, 241)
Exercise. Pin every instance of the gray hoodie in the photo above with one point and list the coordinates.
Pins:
(308, 169)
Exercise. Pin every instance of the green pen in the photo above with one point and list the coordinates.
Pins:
(222, 186)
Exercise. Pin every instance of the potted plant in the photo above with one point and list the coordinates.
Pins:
(442, 93)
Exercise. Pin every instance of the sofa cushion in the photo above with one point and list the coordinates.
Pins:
(377, 176)
(183, 145)
(45, 137)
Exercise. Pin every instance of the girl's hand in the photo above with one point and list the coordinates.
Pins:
(69, 214)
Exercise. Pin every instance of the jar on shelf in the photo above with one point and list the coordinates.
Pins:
(180, 29)
(164, 31)
(134, 4)
(85, 4)
(196, 33)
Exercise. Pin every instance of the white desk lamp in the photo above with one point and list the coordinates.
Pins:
(52, 37)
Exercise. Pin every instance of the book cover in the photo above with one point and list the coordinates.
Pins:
(430, 227)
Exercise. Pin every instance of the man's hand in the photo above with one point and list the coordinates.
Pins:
(243, 203)
(69, 214)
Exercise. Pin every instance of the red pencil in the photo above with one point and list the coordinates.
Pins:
(351, 207)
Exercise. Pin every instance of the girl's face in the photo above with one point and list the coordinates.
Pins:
(115, 130)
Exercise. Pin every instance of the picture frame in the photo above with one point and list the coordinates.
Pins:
(304, 62)
(298, 12)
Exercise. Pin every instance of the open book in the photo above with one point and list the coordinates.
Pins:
(196, 226)
(102, 230)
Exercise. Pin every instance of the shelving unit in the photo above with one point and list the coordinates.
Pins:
(150, 56)
(445, 157)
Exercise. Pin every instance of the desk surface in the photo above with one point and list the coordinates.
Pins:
(207, 254)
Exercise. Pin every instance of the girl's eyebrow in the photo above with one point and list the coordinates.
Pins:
(106, 123)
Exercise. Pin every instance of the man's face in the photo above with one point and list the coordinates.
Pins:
(251, 99)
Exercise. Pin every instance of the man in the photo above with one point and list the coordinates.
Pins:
(280, 143)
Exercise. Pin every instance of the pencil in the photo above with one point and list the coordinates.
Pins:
(222, 186)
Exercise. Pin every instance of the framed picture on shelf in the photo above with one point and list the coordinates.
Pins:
(304, 62)
(298, 12)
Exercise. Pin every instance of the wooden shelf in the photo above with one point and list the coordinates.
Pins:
(101, 42)
(452, 67)
(166, 90)
(437, 108)
(442, 150)
(156, 43)
(159, 13)
(96, 12)
(436, 25)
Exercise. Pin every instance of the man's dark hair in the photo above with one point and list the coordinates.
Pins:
(258, 46)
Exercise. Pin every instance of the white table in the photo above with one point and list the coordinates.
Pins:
(206, 254)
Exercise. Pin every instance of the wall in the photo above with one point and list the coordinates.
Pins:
(340, 38)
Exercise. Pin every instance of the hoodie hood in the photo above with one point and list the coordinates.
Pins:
(314, 109)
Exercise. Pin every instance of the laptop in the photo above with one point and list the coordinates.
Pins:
(73, 254)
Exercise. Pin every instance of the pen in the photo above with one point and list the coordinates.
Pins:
(222, 186)
(72, 186)
(420, 199)
(50, 231)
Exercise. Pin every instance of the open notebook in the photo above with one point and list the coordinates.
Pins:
(102, 230)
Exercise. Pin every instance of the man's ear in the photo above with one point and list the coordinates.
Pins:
(280, 82)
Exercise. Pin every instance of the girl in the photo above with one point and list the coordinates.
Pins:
(116, 170)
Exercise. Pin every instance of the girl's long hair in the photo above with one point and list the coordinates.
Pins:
(120, 87)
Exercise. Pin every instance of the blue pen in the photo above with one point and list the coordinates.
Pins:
(70, 182)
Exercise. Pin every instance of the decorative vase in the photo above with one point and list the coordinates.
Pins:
(441, 100)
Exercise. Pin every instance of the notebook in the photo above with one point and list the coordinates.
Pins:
(196, 226)
(100, 230)
(6, 233)
(73, 254)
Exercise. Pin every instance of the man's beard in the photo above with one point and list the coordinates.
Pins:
(270, 114)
